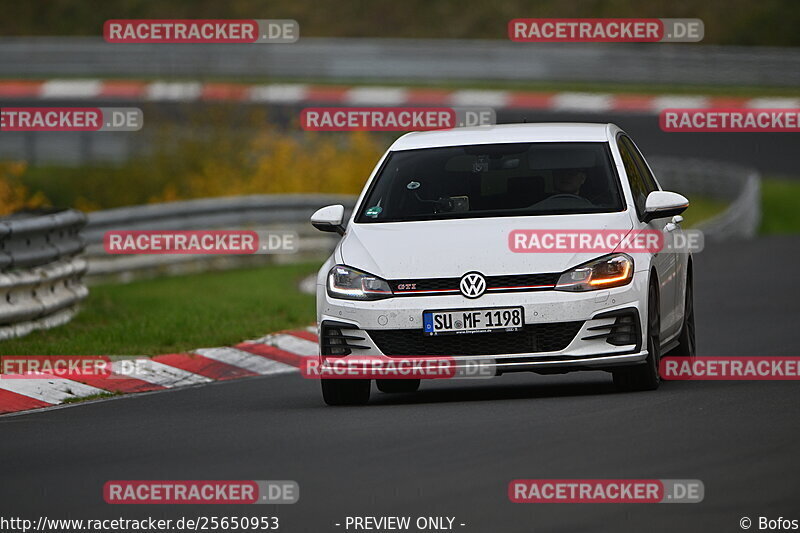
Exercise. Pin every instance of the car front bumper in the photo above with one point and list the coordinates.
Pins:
(584, 351)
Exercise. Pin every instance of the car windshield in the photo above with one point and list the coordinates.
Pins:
(493, 180)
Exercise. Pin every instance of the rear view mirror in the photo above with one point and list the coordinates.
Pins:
(663, 204)
(329, 219)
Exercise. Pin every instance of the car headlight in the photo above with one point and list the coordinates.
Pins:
(609, 271)
(351, 284)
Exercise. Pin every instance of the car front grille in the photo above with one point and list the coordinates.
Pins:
(532, 338)
(506, 283)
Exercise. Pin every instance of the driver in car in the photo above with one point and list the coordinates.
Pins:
(568, 181)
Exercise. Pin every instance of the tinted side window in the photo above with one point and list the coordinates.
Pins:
(635, 179)
(647, 177)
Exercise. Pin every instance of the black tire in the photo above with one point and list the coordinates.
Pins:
(645, 376)
(397, 385)
(687, 347)
(345, 391)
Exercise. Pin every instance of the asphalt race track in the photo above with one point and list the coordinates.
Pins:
(453, 448)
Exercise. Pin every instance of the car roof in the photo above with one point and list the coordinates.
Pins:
(508, 133)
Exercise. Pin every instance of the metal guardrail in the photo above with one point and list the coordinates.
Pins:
(40, 273)
(229, 211)
(409, 59)
(257, 212)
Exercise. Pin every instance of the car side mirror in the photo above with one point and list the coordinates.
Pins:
(329, 219)
(663, 204)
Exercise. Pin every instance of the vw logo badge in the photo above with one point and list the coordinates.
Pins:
(473, 285)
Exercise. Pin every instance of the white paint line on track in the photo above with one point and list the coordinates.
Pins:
(313, 329)
(288, 93)
(180, 91)
(157, 373)
(290, 343)
(680, 102)
(376, 96)
(50, 390)
(480, 98)
(593, 102)
(71, 88)
(253, 363)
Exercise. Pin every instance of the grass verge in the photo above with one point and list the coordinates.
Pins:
(780, 206)
(91, 397)
(177, 314)
(700, 209)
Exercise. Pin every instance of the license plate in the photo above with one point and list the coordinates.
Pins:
(458, 321)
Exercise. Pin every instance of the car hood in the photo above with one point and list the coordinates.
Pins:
(451, 248)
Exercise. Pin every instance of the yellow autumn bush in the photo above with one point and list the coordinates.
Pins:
(217, 153)
(14, 195)
(277, 162)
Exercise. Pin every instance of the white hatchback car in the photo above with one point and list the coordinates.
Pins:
(424, 267)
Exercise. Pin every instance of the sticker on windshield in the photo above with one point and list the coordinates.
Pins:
(374, 211)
